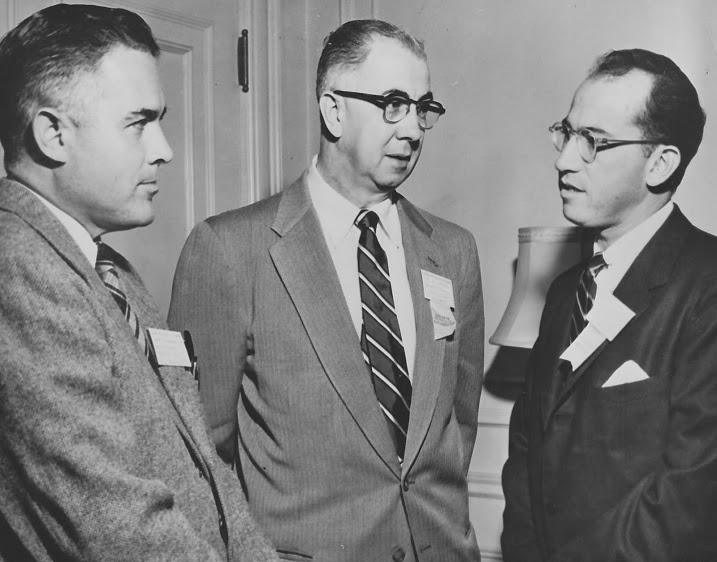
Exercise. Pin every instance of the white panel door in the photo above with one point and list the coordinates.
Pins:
(208, 124)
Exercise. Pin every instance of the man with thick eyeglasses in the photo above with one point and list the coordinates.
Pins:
(613, 442)
(397, 105)
(340, 329)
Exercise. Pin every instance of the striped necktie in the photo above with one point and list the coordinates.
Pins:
(107, 271)
(380, 335)
(585, 294)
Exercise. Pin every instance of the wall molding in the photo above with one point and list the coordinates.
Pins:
(176, 18)
(485, 485)
(494, 417)
(186, 52)
(11, 14)
(347, 10)
(491, 554)
(274, 66)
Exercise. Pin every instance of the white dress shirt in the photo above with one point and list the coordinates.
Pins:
(620, 255)
(336, 216)
(78, 232)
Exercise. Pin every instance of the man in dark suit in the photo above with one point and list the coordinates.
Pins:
(104, 453)
(613, 443)
(340, 329)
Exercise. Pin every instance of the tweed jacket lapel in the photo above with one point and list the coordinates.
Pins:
(650, 270)
(17, 199)
(176, 382)
(304, 264)
(421, 252)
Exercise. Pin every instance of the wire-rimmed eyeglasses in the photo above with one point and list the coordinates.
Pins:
(396, 107)
(588, 144)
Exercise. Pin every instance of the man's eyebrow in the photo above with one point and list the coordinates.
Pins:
(397, 93)
(597, 130)
(401, 93)
(148, 114)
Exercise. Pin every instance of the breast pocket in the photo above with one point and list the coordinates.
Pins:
(647, 389)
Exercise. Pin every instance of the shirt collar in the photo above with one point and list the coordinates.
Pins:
(626, 248)
(337, 214)
(78, 232)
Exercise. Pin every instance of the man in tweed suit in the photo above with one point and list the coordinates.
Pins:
(277, 298)
(104, 454)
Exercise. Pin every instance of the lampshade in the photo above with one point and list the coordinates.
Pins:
(543, 253)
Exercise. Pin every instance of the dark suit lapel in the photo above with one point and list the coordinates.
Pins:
(305, 266)
(651, 269)
(553, 342)
(421, 252)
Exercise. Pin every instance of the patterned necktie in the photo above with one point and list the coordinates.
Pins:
(585, 295)
(107, 271)
(380, 335)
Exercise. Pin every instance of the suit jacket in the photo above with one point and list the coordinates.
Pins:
(626, 472)
(290, 398)
(101, 456)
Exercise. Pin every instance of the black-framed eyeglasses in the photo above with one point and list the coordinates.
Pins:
(396, 107)
(588, 144)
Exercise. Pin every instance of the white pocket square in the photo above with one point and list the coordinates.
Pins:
(626, 373)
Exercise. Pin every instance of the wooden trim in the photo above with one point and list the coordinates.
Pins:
(347, 10)
(494, 417)
(249, 148)
(185, 52)
(485, 485)
(164, 15)
(209, 144)
(489, 554)
(276, 151)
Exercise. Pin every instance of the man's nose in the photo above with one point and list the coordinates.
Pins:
(409, 127)
(569, 159)
(159, 151)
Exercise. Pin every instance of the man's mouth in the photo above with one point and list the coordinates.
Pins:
(564, 186)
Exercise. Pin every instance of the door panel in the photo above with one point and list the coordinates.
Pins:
(209, 173)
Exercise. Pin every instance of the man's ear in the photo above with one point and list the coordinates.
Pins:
(51, 131)
(331, 113)
(662, 164)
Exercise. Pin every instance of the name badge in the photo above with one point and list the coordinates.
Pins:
(169, 348)
(437, 288)
(605, 321)
(439, 291)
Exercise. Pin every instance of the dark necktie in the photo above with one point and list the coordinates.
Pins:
(107, 271)
(585, 295)
(380, 335)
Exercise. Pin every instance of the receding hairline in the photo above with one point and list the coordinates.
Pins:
(372, 41)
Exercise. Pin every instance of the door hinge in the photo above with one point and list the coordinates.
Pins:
(243, 60)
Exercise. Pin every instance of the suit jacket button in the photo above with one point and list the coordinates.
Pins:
(398, 554)
(406, 485)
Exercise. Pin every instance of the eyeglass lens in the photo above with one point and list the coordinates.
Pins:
(397, 109)
(586, 141)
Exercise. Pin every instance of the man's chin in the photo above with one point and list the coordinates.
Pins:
(393, 181)
(134, 222)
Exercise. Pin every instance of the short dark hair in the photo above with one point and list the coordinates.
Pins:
(350, 44)
(43, 57)
(673, 114)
